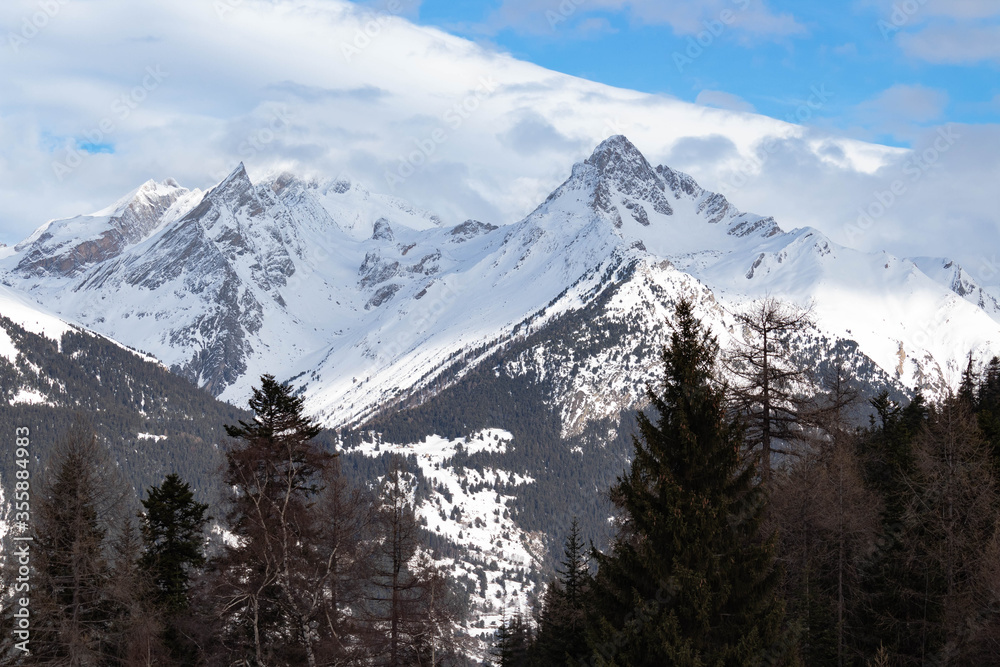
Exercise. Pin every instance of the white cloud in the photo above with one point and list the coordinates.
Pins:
(954, 32)
(947, 206)
(849, 49)
(689, 18)
(300, 84)
(952, 9)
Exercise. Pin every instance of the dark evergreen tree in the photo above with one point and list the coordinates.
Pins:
(893, 613)
(575, 571)
(967, 386)
(512, 642)
(689, 579)
(173, 526)
(562, 637)
(988, 408)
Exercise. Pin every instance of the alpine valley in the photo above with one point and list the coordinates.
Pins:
(505, 361)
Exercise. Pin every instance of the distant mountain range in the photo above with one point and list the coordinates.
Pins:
(360, 300)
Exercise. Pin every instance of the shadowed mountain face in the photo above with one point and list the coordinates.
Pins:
(362, 300)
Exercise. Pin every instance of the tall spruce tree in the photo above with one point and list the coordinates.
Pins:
(689, 579)
(272, 582)
(173, 539)
(173, 526)
(562, 636)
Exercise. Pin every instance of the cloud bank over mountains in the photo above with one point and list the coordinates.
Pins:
(99, 96)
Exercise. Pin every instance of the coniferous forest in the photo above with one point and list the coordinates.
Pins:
(756, 523)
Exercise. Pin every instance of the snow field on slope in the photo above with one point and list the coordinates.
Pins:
(482, 525)
(31, 316)
(30, 397)
(7, 348)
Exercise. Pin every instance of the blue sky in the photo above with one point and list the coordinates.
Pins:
(857, 51)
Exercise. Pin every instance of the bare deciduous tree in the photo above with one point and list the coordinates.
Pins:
(81, 501)
(955, 514)
(768, 386)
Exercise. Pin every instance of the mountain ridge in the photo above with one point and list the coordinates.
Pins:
(359, 297)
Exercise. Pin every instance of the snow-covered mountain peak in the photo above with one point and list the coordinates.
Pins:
(360, 297)
(236, 189)
(663, 210)
(148, 195)
(67, 247)
(624, 179)
(237, 178)
(618, 160)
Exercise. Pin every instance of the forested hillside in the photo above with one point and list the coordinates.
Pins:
(152, 421)
(754, 522)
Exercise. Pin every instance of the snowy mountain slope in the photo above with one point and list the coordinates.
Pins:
(196, 288)
(474, 508)
(152, 420)
(958, 280)
(66, 247)
(360, 299)
(24, 312)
